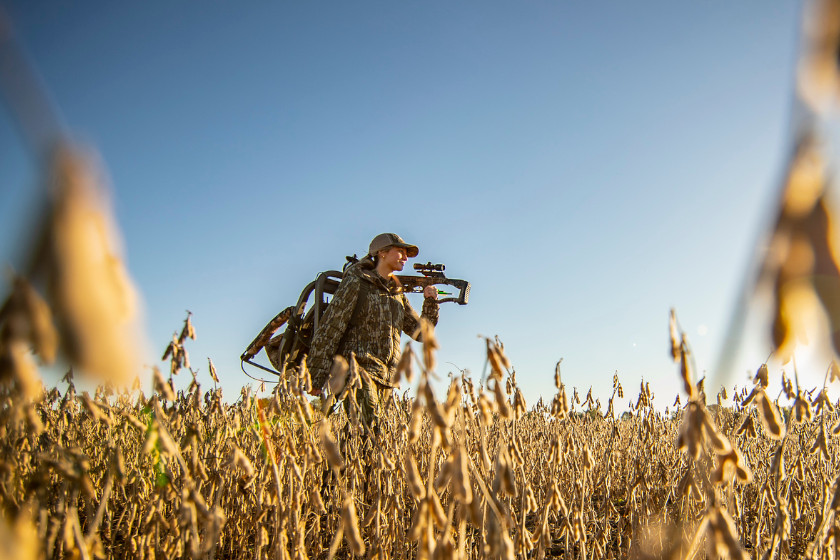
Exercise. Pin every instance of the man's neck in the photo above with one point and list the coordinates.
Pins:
(384, 270)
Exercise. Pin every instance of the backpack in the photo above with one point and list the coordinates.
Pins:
(289, 348)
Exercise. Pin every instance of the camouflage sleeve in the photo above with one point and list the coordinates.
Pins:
(331, 328)
(431, 310)
(411, 322)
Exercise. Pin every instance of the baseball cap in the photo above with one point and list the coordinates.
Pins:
(391, 240)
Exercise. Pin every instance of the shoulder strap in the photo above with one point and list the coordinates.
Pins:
(364, 289)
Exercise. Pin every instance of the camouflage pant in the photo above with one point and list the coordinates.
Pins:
(371, 399)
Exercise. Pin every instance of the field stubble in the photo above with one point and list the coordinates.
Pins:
(476, 475)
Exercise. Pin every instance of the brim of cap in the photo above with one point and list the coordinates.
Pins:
(410, 250)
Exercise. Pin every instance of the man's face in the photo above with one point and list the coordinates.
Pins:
(394, 258)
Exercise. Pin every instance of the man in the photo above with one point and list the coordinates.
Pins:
(366, 316)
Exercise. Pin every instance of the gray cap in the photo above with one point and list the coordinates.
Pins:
(384, 240)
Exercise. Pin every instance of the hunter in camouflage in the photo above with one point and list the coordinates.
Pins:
(365, 317)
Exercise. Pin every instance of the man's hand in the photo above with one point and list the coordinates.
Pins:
(430, 292)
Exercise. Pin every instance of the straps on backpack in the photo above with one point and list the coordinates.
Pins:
(292, 345)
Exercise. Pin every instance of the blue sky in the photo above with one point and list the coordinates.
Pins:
(586, 165)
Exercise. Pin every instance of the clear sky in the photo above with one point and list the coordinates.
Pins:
(587, 165)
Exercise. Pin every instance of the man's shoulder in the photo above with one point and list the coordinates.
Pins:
(356, 272)
(363, 272)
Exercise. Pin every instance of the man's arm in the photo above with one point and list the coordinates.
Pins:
(431, 311)
(330, 330)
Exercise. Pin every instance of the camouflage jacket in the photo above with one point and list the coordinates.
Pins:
(366, 316)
